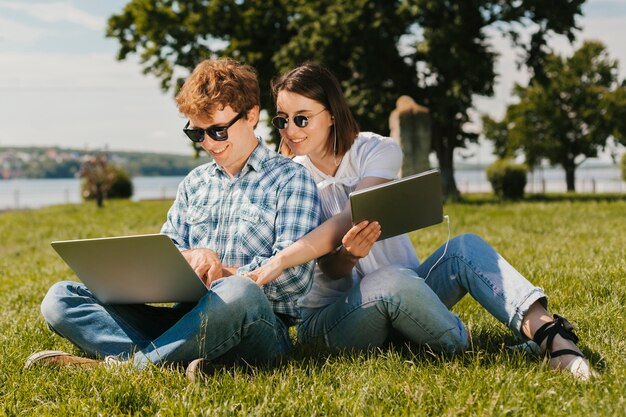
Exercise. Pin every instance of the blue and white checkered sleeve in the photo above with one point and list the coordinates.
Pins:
(175, 226)
(298, 213)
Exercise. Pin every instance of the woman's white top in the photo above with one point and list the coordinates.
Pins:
(371, 155)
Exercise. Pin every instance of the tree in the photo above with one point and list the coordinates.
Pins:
(436, 51)
(102, 179)
(567, 117)
(616, 100)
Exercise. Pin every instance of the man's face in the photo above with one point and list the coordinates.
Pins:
(232, 153)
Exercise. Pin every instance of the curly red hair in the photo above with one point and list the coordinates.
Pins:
(217, 83)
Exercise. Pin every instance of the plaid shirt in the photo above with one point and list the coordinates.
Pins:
(247, 219)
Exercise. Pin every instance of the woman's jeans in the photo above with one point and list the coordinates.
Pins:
(416, 304)
(234, 320)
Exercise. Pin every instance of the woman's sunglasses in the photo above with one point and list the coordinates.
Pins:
(218, 133)
(280, 122)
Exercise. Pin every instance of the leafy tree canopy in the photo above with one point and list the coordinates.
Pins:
(436, 51)
(569, 115)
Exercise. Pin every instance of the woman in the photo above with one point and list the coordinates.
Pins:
(363, 290)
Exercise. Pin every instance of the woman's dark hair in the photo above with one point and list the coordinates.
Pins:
(314, 81)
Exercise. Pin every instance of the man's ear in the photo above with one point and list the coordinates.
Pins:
(253, 115)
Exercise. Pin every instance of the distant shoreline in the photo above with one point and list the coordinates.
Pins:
(65, 163)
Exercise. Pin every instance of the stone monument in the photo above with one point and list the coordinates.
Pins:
(409, 124)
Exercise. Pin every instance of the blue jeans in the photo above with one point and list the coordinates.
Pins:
(234, 320)
(398, 299)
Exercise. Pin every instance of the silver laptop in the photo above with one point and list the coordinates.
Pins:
(132, 269)
(402, 205)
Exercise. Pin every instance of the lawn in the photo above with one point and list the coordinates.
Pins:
(574, 248)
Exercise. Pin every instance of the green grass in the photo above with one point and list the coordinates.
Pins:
(574, 248)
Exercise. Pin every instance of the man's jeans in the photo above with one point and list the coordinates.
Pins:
(400, 299)
(234, 320)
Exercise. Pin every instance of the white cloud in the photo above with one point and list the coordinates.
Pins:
(11, 31)
(85, 100)
(53, 71)
(57, 12)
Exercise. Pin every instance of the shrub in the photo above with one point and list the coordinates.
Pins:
(121, 185)
(624, 166)
(507, 178)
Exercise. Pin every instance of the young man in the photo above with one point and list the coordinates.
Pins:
(229, 217)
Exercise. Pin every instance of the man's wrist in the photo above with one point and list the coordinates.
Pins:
(229, 270)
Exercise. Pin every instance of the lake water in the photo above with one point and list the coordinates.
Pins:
(34, 193)
(589, 179)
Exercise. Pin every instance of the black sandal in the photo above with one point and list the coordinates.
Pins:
(559, 326)
(562, 327)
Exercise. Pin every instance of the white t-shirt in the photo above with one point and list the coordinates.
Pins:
(371, 155)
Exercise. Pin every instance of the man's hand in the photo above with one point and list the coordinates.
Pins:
(205, 263)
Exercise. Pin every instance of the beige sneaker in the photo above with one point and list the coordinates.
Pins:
(198, 367)
(59, 358)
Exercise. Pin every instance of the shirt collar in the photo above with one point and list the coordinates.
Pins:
(258, 156)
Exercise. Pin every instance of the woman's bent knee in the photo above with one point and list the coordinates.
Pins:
(391, 281)
(468, 242)
(400, 292)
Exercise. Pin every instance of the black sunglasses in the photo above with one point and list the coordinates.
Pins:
(280, 122)
(218, 133)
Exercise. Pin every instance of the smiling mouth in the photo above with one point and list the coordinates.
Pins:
(218, 151)
(299, 140)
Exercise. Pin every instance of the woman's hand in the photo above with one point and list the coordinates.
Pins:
(356, 244)
(358, 241)
(267, 272)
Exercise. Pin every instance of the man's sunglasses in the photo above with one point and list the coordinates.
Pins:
(280, 122)
(218, 133)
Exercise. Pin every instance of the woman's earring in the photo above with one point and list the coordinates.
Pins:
(335, 147)
(280, 144)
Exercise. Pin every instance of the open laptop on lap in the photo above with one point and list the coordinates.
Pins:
(132, 269)
(402, 205)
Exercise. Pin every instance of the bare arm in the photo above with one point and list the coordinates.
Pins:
(322, 240)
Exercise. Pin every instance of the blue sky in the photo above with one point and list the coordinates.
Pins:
(60, 84)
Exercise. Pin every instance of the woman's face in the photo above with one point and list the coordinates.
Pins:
(309, 140)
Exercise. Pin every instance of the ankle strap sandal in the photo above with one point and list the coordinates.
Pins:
(559, 326)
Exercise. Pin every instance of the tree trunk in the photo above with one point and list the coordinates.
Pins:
(444, 151)
(570, 176)
(99, 196)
